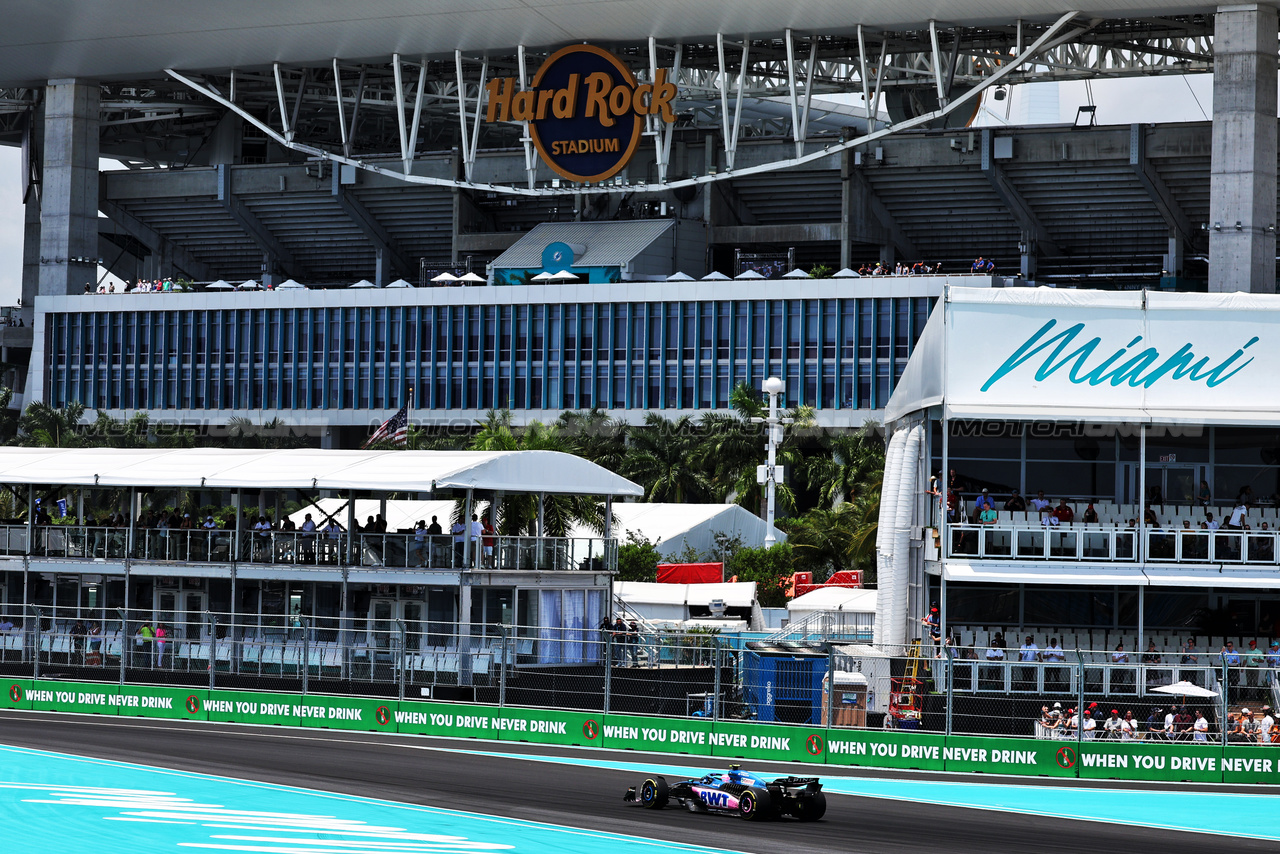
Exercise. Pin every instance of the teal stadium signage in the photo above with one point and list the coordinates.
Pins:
(586, 111)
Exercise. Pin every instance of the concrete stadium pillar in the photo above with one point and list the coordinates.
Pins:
(69, 187)
(1242, 195)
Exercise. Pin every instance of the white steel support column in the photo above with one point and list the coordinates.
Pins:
(69, 193)
(1242, 194)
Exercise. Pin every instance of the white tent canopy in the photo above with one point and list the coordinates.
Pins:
(383, 471)
(824, 599)
(675, 527)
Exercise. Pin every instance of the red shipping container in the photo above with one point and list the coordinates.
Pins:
(690, 573)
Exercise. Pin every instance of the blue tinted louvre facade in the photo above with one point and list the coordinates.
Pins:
(334, 352)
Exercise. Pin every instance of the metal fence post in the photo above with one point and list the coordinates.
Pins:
(951, 680)
(213, 647)
(306, 655)
(404, 634)
(831, 682)
(715, 662)
(1226, 697)
(502, 670)
(35, 672)
(124, 643)
(608, 669)
(1079, 699)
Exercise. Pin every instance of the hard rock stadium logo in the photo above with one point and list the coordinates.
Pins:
(585, 111)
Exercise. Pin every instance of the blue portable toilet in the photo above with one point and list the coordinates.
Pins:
(783, 682)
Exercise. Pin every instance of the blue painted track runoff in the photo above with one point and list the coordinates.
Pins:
(56, 802)
(1224, 813)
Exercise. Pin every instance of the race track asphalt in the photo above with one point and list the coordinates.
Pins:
(432, 772)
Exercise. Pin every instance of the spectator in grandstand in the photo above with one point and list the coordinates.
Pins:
(1040, 503)
(1028, 652)
(1089, 724)
(487, 538)
(1237, 520)
(419, 544)
(1050, 718)
(1266, 726)
(1273, 662)
(1245, 496)
(1121, 677)
(1154, 724)
(1128, 727)
(1210, 523)
(988, 517)
(459, 532)
(1150, 519)
(1231, 658)
(1112, 725)
(78, 633)
(992, 678)
(1055, 678)
(1254, 661)
(982, 502)
(931, 622)
(1183, 724)
(1016, 502)
(978, 265)
(1063, 512)
(1246, 729)
(1090, 515)
(1205, 496)
(434, 529)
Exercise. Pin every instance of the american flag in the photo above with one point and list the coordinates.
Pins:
(394, 429)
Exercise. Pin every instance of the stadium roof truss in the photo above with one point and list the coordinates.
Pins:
(381, 116)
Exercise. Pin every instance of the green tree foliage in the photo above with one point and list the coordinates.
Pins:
(44, 426)
(769, 568)
(638, 559)
(664, 457)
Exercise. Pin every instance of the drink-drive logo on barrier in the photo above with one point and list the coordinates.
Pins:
(15, 693)
(585, 110)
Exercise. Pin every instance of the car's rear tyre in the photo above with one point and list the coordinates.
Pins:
(755, 804)
(653, 793)
(810, 807)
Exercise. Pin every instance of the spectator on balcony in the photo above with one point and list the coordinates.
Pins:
(1121, 677)
(1183, 724)
(419, 544)
(1090, 516)
(1254, 660)
(988, 517)
(982, 502)
(1245, 496)
(1273, 662)
(1063, 512)
(1237, 520)
(1111, 726)
(434, 529)
(1150, 519)
(1210, 523)
(1016, 502)
(1205, 496)
(1231, 658)
(1040, 503)
(1267, 726)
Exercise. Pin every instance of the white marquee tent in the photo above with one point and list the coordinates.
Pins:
(675, 527)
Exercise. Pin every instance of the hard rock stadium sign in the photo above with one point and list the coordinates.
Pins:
(585, 111)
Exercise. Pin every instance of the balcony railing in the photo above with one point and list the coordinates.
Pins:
(309, 549)
(1097, 543)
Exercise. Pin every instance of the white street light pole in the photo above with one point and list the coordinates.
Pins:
(770, 473)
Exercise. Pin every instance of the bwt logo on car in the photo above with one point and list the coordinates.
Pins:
(585, 110)
(712, 798)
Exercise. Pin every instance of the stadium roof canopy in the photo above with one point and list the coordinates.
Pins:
(380, 471)
(71, 38)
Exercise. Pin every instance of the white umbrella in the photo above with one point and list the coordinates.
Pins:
(1185, 689)
(679, 277)
(749, 274)
(290, 285)
(363, 283)
(250, 285)
(471, 277)
(564, 276)
(219, 285)
(715, 276)
(399, 283)
(846, 273)
(797, 273)
(544, 276)
(445, 277)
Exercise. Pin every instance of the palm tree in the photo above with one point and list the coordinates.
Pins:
(43, 426)
(593, 435)
(740, 451)
(664, 459)
(849, 460)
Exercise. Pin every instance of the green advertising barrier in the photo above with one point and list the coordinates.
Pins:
(726, 739)
(664, 735)
(1242, 763)
(14, 694)
(1031, 757)
(763, 741)
(1149, 760)
(551, 726)
(252, 707)
(875, 749)
(455, 720)
(358, 713)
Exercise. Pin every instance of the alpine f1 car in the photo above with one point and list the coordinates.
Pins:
(750, 796)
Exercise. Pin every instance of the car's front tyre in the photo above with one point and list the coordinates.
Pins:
(653, 793)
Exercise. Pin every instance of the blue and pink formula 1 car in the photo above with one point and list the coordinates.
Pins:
(747, 795)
